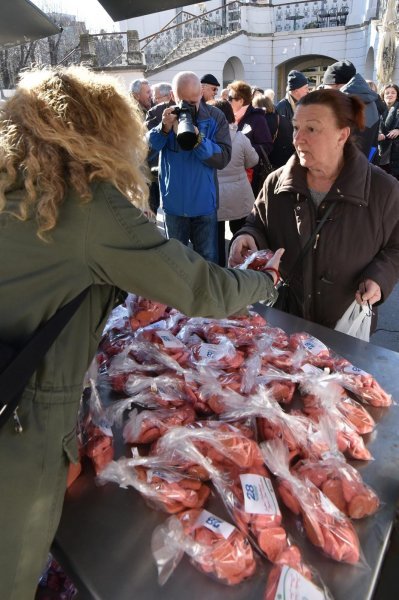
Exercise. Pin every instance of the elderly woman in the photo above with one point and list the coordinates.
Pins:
(356, 254)
(251, 121)
(72, 192)
(388, 138)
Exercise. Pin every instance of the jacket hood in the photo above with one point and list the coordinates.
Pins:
(359, 86)
(351, 185)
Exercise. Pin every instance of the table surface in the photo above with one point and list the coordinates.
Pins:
(103, 540)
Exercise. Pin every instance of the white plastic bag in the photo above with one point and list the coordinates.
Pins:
(356, 321)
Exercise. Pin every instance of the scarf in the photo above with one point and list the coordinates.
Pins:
(240, 113)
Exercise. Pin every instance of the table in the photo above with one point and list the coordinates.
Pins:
(103, 541)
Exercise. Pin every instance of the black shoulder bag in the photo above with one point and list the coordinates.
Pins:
(16, 368)
(287, 300)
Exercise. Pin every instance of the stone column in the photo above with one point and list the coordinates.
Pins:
(134, 55)
(88, 49)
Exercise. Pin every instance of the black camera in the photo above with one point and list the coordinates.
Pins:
(186, 117)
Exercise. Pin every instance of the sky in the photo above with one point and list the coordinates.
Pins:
(90, 11)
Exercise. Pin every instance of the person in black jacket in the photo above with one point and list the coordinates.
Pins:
(388, 147)
(162, 95)
(297, 88)
(342, 76)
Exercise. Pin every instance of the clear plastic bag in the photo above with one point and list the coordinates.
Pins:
(241, 480)
(163, 487)
(337, 479)
(215, 547)
(147, 426)
(143, 311)
(299, 433)
(325, 526)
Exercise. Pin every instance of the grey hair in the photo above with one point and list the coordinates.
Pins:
(136, 84)
(182, 79)
(164, 88)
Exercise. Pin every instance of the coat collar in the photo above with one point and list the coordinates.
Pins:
(352, 184)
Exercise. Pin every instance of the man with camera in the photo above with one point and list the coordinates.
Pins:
(193, 140)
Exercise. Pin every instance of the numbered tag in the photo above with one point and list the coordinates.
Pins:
(161, 474)
(314, 345)
(352, 370)
(293, 586)
(259, 496)
(211, 351)
(213, 523)
(168, 339)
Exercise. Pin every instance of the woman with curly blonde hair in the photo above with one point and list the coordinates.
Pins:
(72, 196)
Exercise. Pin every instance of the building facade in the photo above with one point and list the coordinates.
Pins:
(261, 41)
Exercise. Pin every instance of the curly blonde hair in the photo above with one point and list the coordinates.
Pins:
(69, 127)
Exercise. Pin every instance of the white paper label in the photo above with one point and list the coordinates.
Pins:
(157, 325)
(211, 351)
(294, 586)
(312, 370)
(168, 339)
(352, 370)
(259, 496)
(314, 345)
(213, 523)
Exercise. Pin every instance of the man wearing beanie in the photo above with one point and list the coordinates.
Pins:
(210, 86)
(297, 87)
(342, 75)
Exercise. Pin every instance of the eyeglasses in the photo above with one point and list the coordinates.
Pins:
(214, 88)
(231, 98)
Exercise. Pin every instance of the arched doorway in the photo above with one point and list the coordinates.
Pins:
(232, 70)
(369, 66)
(312, 66)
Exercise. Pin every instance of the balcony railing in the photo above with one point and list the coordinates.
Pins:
(188, 29)
(293, 16)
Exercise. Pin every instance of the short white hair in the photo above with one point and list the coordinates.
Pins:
(135, 86)
(164, 88)
(182, 79)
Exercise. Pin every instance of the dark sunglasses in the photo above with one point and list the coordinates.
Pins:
(231, 98)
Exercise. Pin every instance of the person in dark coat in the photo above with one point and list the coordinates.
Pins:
(342, 76)
(283, 148)
(388, 138)
(356, 254)
(252, 122)
(163, 97)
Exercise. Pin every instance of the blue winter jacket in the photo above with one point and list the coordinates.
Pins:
(187, 178)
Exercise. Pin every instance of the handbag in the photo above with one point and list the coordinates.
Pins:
(287, 301)
(17, 367)
(264, 167)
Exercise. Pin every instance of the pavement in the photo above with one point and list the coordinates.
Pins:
(387, 334)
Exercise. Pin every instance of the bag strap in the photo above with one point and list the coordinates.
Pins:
(16, 375)
(309, 243)
(278, 125)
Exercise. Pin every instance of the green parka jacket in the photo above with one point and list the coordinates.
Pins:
(106, 244)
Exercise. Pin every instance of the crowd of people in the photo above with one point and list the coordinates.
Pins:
(219, 180)
(77, 165)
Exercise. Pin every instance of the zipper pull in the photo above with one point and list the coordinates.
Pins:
(316, 240)
(17, 423)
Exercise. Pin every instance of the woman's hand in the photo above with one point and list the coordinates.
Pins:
(369, 291)
(239, 249)
(393, 134)
(381, 137)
